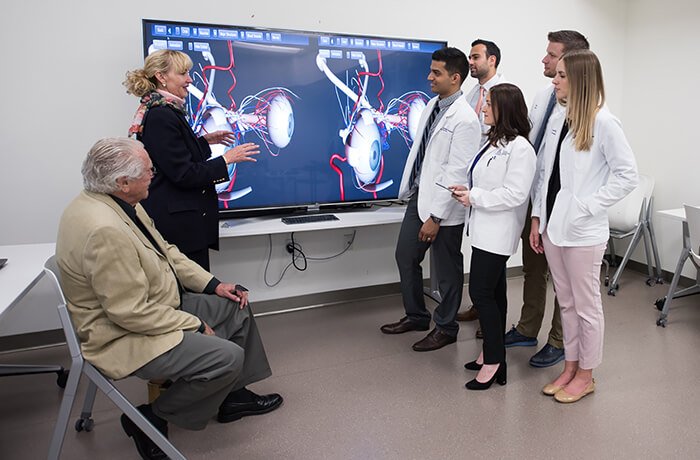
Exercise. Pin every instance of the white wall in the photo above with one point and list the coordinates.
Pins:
(65, 61)
(660, 109)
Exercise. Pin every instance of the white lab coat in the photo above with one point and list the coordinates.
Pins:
(591, 181)
(501, 182)
(454, 142)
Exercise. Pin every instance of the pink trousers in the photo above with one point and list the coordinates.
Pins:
(576, 275)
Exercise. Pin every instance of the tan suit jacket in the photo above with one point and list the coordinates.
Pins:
(121, 291)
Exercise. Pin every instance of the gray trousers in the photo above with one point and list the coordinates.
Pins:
(410, 252)
(204, 369)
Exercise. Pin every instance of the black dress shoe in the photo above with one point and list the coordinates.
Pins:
(473, 366)
(230, 411)
(401, 326)
(434, 340)
(499, 376)
(146, 448)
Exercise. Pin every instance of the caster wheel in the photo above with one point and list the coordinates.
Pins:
(62, 379)
(660, 303)
(88, 425)
(611, 292)
(661, 322)
(650, 282)
(607, 281)
(83, 424)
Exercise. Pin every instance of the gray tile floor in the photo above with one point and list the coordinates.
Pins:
(354, 393)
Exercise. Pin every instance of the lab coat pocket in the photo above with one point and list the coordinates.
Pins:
(439, 145)
(580, 220)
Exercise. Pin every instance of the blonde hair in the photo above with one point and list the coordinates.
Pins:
(586, 95)
(140, 82)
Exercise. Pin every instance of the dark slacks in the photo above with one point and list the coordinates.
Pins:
(204, 369)
(447, 249)
(487, 289)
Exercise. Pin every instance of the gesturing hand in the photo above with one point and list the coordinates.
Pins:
(241, 153)
(220, 137)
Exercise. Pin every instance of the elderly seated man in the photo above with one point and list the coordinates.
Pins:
(140, 307)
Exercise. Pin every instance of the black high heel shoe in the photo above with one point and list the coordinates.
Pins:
(499, 376)
(473, 366)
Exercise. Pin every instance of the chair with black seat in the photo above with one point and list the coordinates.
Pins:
(97, 380)
(631, 217)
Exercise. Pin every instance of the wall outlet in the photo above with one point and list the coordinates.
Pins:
(288, 246)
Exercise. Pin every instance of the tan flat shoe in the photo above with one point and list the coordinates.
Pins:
(563, 397)
(550, 389)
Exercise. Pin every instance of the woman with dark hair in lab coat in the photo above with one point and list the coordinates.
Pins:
(499, 178)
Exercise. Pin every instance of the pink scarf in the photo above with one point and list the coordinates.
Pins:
(156, 98)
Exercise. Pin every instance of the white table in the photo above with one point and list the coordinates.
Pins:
(664, 303)
(24, 269)
(252, 226)
(352, 219)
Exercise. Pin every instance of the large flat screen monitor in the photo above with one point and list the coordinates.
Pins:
(335, 115)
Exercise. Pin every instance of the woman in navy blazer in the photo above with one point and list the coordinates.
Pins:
(182, 198)
(499, 178)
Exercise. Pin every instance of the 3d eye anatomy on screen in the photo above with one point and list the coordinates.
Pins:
(367, 131)
(268, 114)
(335, 115)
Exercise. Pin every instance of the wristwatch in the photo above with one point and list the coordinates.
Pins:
(436, 219)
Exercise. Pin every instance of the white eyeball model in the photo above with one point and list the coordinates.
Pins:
(363, 148)
(416, 110)
(280, 121)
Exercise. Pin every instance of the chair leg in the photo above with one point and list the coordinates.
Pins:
(69, 393)
(85, 422)
(125, 406)
(655, 250)
(613, 254)
(647, 252)
(614, 285)
(607, 271)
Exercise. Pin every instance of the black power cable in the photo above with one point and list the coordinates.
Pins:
(297, 253)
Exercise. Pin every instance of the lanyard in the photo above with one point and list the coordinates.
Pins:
(476, 160)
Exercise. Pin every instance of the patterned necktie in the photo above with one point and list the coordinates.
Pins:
(421, 147)
(543, 126)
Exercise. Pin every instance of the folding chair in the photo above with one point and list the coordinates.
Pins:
(631, 216)
(97, 380)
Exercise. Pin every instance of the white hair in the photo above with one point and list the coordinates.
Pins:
(108, 160)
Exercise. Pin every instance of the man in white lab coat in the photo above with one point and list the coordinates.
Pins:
(484, 58)
(450, 136)
(535, 265)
